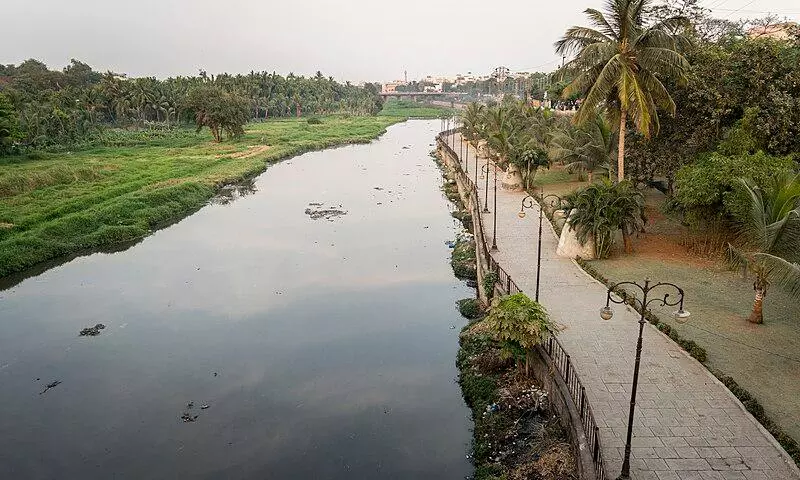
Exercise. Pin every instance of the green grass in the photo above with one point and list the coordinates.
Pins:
(409, 109)
(58, 204)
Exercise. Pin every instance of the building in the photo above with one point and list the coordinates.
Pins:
(391, 87)
(778, 31)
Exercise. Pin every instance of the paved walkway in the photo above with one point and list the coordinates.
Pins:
(688, 426)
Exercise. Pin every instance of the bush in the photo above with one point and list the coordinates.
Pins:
(470, 308)
(489, 281)
(710, 186)
(601, 209)
(519, 323)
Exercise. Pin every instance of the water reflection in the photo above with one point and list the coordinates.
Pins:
(324, 349)
(229, 193)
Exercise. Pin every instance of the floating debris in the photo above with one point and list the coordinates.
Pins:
(50, 385)
(186, 417)
(205, 407)
(329, 213)
(92, 331)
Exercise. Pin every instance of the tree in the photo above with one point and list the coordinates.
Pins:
(519, 323)
(769, 239)
(9, 129)
(620, 65)
(586, 148)
(218, 110)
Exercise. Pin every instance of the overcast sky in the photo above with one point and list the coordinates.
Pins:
(353, 40)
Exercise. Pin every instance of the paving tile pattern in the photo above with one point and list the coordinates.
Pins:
(688, 426)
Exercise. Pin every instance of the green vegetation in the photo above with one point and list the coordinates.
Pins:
(603, 209)
(73, 108)
(621, 64)
(584, 149)
(57, 204)
(409, 109)
(769, 235)
(515, 435)
(218, 110)
(463, 259)
(470, 308)
(490, 279)
(519, 324)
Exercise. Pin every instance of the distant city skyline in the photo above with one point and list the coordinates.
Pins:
(351, 41)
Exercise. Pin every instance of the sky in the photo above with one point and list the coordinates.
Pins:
(356, 40)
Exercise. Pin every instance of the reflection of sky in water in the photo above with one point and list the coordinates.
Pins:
(331, 340)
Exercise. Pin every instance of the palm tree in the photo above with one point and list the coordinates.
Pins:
(620, 65)
(769, 236)
(601, 209)
(586, 148)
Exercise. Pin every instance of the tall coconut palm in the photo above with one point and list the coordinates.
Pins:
(769, 237)
(620, 65)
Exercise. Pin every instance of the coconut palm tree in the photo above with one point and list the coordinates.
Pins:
(586, 148)
(769, 239)
(620, 65)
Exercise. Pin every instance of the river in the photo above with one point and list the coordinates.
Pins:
(321, 348)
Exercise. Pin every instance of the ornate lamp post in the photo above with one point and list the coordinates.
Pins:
(606, 313)
(461, 145)
(485, 169)
(466, 159)
(476, 170)
(528, 202)
(494, 209)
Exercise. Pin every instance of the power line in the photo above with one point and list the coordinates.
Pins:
(740, 8)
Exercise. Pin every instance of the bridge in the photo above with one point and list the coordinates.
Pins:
(415, 95)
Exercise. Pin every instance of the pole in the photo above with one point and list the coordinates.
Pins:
(494, 223)
(466, 160)
(539, 253)
(461, 147)
(476, 176)
(486, 190)
(626, 464)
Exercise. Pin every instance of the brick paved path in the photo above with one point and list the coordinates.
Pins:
(688, 425)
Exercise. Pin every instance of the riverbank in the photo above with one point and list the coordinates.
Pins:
(410, 109)
(515, 434)
(59, 204)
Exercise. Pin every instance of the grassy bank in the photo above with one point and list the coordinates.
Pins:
(59, 204)
(409, 109)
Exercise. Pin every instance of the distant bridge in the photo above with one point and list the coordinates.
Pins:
(415, 95)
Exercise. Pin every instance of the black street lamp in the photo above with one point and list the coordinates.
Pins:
(606, 313)
(466, 159)
(528, 202)
(485, 169)
(476, 171)
(494, 209)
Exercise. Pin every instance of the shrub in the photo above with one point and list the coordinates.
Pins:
(603, 208)
(519, 323)
(710, 186)
(470, 308)
(489, 281)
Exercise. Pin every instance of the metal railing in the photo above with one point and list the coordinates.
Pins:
(559, 357)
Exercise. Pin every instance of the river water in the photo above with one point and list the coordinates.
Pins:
(323, 348)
